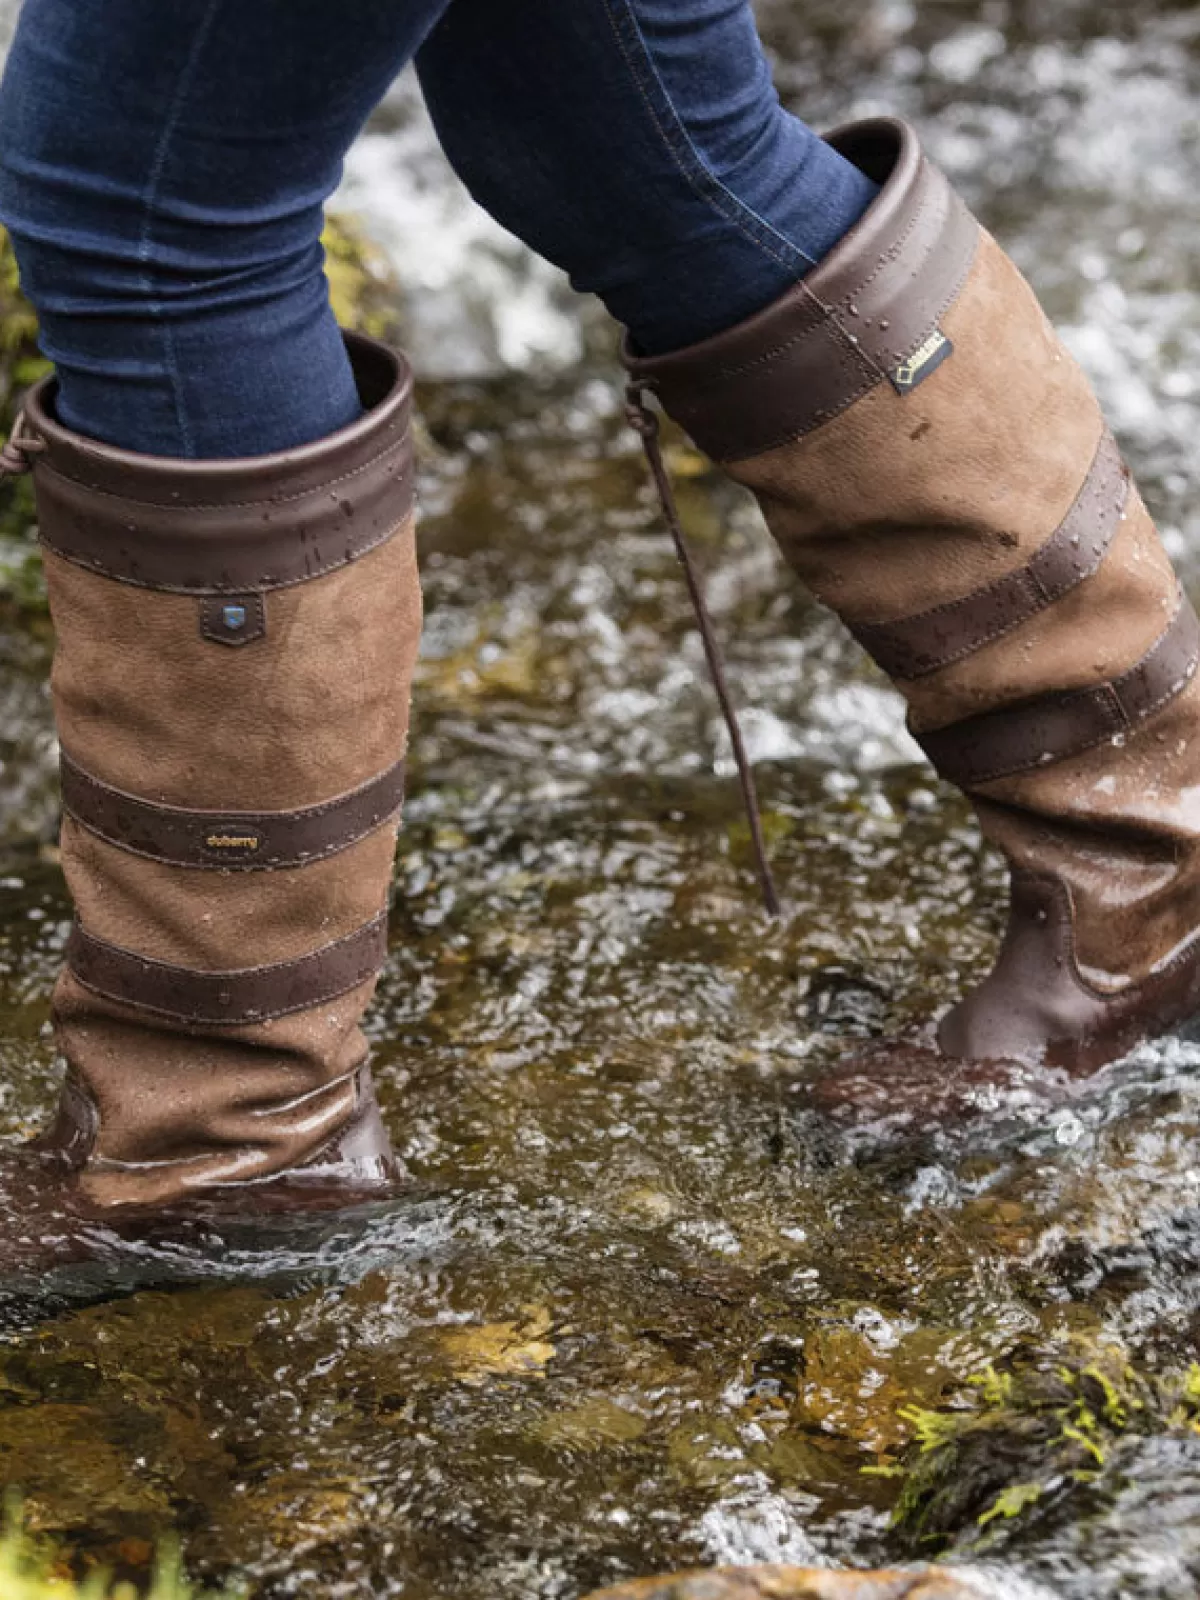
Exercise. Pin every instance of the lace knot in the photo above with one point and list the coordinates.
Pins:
(21, 444)
(638, 414)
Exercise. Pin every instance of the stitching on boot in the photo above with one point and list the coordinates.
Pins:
(874, 635)
(230, 841)
(1105, 699)
(1186, 953)
(114, 1164)
(829, 309)
(320, 569)
(45, 469)
(878, 374)
(926, 177)
(118, 974)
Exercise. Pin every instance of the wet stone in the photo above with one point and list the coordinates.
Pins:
(796, 1583)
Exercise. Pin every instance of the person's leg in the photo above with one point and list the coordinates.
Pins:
(639, 145)
(163, 170)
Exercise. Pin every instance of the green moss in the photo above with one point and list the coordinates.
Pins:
(1011, 1502)
(20, 365)
(362, 289)
(29, 1571)
(1022, 1439)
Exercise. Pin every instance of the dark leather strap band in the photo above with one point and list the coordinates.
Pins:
(233, 527)
(245, 841)
(1020, 738)
(870, 312)
(918, 645)
(227, 999)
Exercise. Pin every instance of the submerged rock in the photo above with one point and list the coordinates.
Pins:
(805, 1583)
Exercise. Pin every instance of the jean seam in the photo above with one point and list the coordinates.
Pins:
(683, 150)
(145, 238)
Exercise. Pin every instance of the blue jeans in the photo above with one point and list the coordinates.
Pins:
(164, 166)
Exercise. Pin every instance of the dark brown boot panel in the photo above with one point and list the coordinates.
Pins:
(355, 1163)
(1036, 1007)
(156, 1115)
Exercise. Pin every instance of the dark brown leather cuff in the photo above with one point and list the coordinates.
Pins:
(240, 841)
(235, 527)
(868, 314)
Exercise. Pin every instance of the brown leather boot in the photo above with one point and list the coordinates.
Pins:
(935, 466)
(235, 647)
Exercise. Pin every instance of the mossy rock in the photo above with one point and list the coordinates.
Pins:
(362, 287)
(20, 365)
(365, 299)
(1032, 1442)
(29, 1570)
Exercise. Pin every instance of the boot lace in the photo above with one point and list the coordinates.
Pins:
(645, 424)
(19, 447)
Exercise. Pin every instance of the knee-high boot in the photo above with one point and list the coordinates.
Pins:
(935, 466)
(234, 649)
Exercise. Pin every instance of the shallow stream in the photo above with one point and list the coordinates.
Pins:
(657, 1299)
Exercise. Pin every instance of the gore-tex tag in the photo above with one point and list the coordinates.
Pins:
(233, 619)
(922, 363)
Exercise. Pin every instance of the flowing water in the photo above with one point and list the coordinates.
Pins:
(659, 1298)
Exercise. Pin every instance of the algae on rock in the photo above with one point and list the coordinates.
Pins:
(30, 1571)
(1026, 1440)
(21, 364)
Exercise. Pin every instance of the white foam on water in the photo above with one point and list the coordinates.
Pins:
(480, 301)
(757, 1526)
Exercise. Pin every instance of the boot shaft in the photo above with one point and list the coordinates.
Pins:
(934, 465)
(235, 644)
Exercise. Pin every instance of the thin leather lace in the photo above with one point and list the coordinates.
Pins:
(645, 424)
(17, 449)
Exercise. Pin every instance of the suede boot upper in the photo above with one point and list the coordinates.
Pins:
(234, 650)
(935, 466)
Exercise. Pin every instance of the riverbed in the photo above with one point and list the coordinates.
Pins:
(660, 1298)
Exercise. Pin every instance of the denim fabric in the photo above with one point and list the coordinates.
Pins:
(163, 169)
(639, 145)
